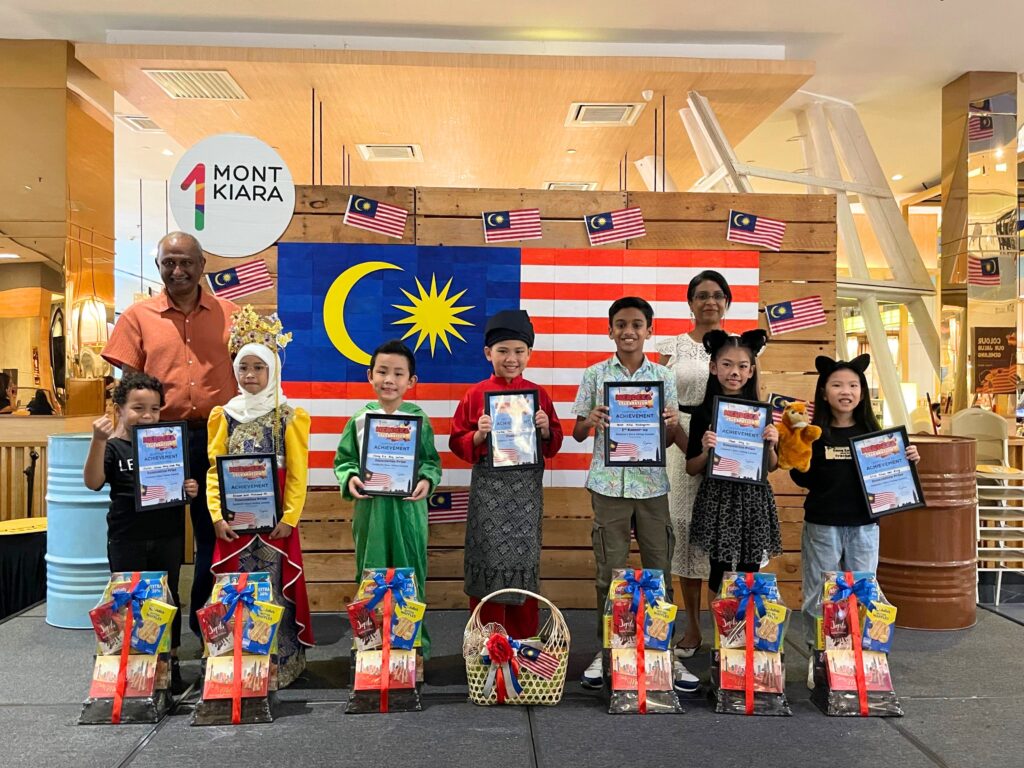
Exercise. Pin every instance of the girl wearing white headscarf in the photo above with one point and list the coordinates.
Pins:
(260, 420)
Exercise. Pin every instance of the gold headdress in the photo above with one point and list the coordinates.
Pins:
(249, 328)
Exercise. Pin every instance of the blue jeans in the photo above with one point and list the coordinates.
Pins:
(832, 548)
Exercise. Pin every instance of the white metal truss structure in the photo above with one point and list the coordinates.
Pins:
(831, 130)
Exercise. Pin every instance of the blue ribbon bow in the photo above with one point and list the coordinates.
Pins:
(648, 585)
(862, 588)
(746, 594)
(400, 583)
(231, 596)
(143, 591)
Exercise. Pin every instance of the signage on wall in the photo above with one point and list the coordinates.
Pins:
(995, 361)
(234, 193)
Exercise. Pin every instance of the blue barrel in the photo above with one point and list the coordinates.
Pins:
(76, 535)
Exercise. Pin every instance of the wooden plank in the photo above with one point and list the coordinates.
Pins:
(317, 228)
(697, 206)
(791, 384)
(215, 263)
(772, 292)
(334, 199)
(792, 356)
(448, 231)
(786, 567)
(819, 236)
(799, 266)
(553, 204)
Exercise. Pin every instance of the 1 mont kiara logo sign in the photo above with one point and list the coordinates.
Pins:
(234, 193)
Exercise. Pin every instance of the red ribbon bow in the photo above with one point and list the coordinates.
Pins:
(122, 669)
(236, 654)
(385, 654)
(858, 652)
(500, 652)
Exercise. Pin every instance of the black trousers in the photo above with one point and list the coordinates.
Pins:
(152, 555)
(719, 567)
(202, 526)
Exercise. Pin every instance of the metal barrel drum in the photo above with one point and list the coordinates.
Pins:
(76, 537)
(927, 563)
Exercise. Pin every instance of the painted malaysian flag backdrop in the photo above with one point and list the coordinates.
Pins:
(374, 216)
(447, 507)
(502, 226)
(980, 127)
(795, 315)
(614, 226)
(779, 403)
(240, 281)
(342, 300)
(983, 271)
(755, 230)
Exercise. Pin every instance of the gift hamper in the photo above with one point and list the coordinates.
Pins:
(131, 674)
(855, 625)
(507, 670)
(748, 672)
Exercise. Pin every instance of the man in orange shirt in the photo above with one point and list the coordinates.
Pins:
(181, 338)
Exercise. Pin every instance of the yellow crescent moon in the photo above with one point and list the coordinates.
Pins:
(490, 219)
(334, 308)
(778, 311)
(218, 280)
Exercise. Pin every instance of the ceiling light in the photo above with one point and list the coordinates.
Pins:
(1000, 167)
(897, 177)
(570, 151)
(8, 256)
(975, 172)
(999, 153)
(167, 153)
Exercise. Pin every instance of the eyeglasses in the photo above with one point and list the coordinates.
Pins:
(704, 296)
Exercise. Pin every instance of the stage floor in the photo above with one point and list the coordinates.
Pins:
(962, 692)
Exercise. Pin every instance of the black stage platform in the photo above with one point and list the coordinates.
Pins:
(962, 691)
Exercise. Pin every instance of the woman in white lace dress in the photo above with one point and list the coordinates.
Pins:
(709, 296)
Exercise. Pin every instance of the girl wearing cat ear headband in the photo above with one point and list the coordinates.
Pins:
(838, 532)
(737, 524)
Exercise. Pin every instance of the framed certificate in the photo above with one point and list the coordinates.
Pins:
(636, 430)
(389, 461)
(887, 476)
(250, 493)
(160, 453)
(514, 442)
(740, 453)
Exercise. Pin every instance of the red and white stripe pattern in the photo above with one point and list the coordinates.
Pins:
(883, 501)
(541, 663)
(506, 455)
(377, 481)
(448, 507)
(154, 493)
(789, 316)
(244, 520)
(375, 216)
(726, 466)
(755, 230)
(983, 271)
(980, 127)
(567, 293)
(623, 451)
(503, 226)
(252, 277)
(614, 226)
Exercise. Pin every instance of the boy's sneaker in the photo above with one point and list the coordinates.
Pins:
(810, 672)
(683, 681)
(593, 676)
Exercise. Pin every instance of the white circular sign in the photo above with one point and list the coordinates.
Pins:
(234, 193)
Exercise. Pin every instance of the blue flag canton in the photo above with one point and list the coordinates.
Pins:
(780, 311)
(384, 292)
(600, 222)
(990, 266)
(224, 279)
(496, 220)
(744, 221)
(364, 206)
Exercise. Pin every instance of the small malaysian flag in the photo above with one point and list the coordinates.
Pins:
(374, 216)
(726, 466)
(755, 230)
(447, 507)
(795, 315)
(540, 662)
(882, 501)
(980, 128)
(154, 493)
(242, 280)
(377, 481)
(623, 451)
(613, 226)
(502, 226)
(983, 271)
(779, 403)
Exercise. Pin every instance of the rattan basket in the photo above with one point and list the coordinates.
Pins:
(536, 690)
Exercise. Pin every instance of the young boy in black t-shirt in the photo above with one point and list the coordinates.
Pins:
(150, 540)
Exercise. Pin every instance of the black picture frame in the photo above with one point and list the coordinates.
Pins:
(225, 511)
(534, 395)
(714, 467)
(368, 429)
(139, 434)
(859, 461)
(611, 445)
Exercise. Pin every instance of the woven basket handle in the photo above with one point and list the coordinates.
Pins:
(474, 619)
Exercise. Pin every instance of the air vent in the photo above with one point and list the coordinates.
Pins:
(214, 84)
(603, 114)
(390, 152)
(571, 186)
(140, 123)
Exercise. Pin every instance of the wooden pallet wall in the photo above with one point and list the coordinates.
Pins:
(805, 267)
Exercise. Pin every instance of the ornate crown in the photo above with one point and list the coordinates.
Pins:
(249, 328)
